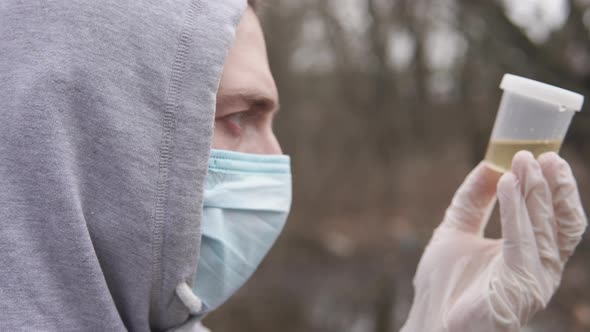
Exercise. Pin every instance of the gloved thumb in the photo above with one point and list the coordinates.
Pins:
(473, 201)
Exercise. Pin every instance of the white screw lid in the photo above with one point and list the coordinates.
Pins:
(548, 93)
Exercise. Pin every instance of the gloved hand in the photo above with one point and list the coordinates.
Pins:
(466, 282)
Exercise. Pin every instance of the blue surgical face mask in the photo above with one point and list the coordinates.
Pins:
(247, 200)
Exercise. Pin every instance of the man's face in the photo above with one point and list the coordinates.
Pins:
(247, 99)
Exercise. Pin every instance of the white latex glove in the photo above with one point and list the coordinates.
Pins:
(466, 282)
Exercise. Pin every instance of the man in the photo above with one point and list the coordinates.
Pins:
(109, 183)
(464, 282)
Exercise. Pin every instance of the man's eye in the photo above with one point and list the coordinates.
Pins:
(234, 122)
(236, 118)
(239, 121)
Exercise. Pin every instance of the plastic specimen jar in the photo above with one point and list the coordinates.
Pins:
(533, 116)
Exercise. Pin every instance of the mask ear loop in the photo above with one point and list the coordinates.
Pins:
(188, 298)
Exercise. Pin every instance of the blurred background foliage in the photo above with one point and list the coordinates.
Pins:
(386, 105)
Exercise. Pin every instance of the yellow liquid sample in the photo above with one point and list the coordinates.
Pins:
(500, 152)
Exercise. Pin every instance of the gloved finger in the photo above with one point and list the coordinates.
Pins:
(517, 231)
(535, 190)
(473, 201)
(569, 213)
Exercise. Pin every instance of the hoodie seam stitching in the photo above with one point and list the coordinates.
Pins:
(167, 149)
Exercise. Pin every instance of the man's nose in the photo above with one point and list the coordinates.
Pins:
(272, 145)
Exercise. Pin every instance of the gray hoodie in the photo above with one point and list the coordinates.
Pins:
(106, 117)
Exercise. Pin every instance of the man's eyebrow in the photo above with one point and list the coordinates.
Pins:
(252, 99)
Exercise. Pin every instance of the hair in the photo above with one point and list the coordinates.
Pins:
(253, 3)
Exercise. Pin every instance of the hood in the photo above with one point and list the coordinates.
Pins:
(107, 112)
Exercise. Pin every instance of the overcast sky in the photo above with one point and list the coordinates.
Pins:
(538, 17)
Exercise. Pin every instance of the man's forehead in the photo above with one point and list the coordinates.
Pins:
(246, 76)
(246, 72)
(249, 29)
